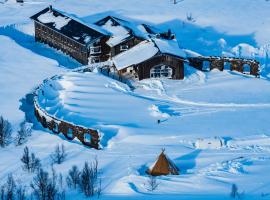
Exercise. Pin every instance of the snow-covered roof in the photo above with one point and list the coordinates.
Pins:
(121, 30)
(58, 21)
(135, 55)
(169, 47)
(191, 53)
(69, 26)
(137, 29)
(119, 33)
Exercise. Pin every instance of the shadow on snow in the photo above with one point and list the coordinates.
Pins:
(28, 42)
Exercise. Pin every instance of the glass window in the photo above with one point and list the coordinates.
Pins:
(161, 71)
(94, 50)
(123, 47)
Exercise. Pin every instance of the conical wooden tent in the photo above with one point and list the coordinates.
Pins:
(163, 166)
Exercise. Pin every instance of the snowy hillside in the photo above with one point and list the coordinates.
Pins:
(205, 106)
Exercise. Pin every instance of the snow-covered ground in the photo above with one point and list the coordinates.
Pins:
(227, 105)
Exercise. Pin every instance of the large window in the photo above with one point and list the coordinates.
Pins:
(161, 71)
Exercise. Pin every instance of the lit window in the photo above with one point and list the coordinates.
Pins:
(123, 47)
(161, 71)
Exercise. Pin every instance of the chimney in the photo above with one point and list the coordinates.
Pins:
(169, 33)
(50, 8)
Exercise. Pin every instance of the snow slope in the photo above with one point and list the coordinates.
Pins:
(19, 75)
(229, 105)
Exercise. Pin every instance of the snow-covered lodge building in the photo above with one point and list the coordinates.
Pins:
(71, 36)
(136, 51)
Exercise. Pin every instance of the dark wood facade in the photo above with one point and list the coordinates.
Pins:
(177, 65)
(81, 42)
(143, 69)
(59, 41)
(71, 47)
(129, 43)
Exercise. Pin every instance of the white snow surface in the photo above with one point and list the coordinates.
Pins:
(209, 143)
(229, 105)
(135, 55)
(58, 21)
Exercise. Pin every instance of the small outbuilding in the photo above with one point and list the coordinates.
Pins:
(163, 166)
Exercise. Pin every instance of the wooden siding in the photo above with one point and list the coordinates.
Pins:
(105, 49)
(131, 43)
(177, 65)
(59, 41)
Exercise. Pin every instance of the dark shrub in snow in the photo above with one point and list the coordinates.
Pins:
(59, 155)
(73, 178)
(30, 162)
(5, 132)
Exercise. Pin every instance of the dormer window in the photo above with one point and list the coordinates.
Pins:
(123, 47)
(95, 50)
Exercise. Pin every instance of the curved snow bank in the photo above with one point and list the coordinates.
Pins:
(90, 99)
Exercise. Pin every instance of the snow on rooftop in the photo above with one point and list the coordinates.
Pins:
(119, 33)
(88, 24)
(169, 46)
(135, 55)
(142, 29)
(59, 21)
(87, 38)
(190, 53)
(137, 29)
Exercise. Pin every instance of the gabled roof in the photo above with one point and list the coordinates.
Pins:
(169, 47)
(135, 55)
(146, 50)
(68, 26)
(151, 29)
(163, 166)
(119, 33)
(121, 30)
